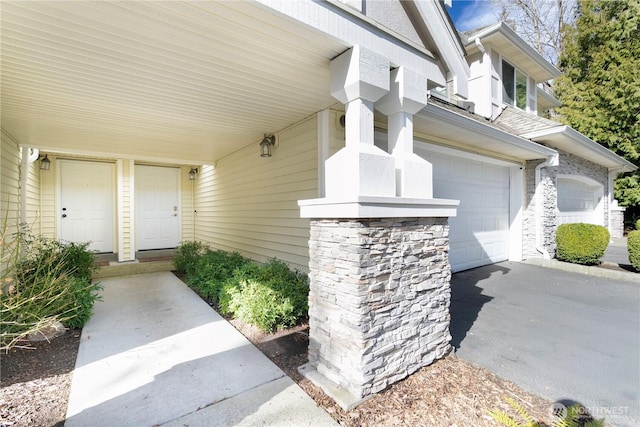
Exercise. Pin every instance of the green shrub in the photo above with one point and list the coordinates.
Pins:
(581, 243)
(269, 296)
(187, 256)
(638, 224)
(633, 246)
(212, 270)
(44, 281)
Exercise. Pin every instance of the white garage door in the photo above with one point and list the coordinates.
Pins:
(479, 234)
(578, 201)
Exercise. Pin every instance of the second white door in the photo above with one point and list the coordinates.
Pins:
(157, 207)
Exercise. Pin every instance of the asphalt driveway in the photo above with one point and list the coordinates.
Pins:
(565, 336)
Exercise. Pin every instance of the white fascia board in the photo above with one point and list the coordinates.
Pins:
(582, 142)
(467, 123)
(378, 207)
(550, 99)
(519, 43)
(341, 22)
(445, 36)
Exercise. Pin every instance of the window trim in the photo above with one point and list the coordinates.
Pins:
(513, 98)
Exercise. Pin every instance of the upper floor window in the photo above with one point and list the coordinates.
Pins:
(514, 86)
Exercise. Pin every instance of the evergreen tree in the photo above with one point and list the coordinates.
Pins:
(600, 85)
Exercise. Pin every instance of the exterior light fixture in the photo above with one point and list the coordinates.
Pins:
(193, 173)
(45, 163)
(266, 144)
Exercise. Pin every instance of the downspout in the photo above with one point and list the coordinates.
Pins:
(612, 175)
(481, 46)
(552, 160)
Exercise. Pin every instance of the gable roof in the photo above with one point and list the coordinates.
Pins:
(434, 23)
(513, 48)
(560, 136)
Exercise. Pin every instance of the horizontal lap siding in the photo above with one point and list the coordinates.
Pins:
(9, 186)
(48, 199)
(33, 197)
(249, 204)
(126, 218)
(186, 193)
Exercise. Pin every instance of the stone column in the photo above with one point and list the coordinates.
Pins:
(616, 214)
(379, 302)
(379, 255)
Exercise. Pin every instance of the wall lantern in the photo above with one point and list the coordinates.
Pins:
(45, 163)
(193, 173)
(266, 144)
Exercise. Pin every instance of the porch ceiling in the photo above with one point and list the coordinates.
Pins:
(188, 82)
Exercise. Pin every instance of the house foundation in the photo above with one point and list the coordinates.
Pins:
(378, 304)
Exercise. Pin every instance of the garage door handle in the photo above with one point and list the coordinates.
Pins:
(64, 215)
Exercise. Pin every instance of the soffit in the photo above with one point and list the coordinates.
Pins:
(180, 81)
(571, 141)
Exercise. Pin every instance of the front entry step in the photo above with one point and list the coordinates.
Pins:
(150, 261)
(133, 267)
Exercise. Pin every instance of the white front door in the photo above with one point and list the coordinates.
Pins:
(87, 200)
(157, 201)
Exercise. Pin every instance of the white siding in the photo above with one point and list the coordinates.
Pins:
(126, 216)
(9, 186)
(480, 83)
(33, 197)
(48, 199)
(187, 187)
(248, 204)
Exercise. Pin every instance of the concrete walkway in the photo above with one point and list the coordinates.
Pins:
(155, 354)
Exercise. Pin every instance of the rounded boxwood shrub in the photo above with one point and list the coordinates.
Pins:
(633, 246)
(581, 243)
(638, 224)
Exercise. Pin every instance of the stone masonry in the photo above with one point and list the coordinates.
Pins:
(569, 165)
(379, 299)
(617, 221)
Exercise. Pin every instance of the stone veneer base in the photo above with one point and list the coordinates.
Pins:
(345, 399)
(378, 303)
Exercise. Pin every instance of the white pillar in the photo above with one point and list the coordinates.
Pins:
(359, 77)
(407, 96)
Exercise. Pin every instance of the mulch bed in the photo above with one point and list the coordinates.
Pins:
(36, 382)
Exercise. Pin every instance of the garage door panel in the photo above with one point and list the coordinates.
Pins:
(578, 201)
(479, 234)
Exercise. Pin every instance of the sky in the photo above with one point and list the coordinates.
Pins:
(472, 14)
